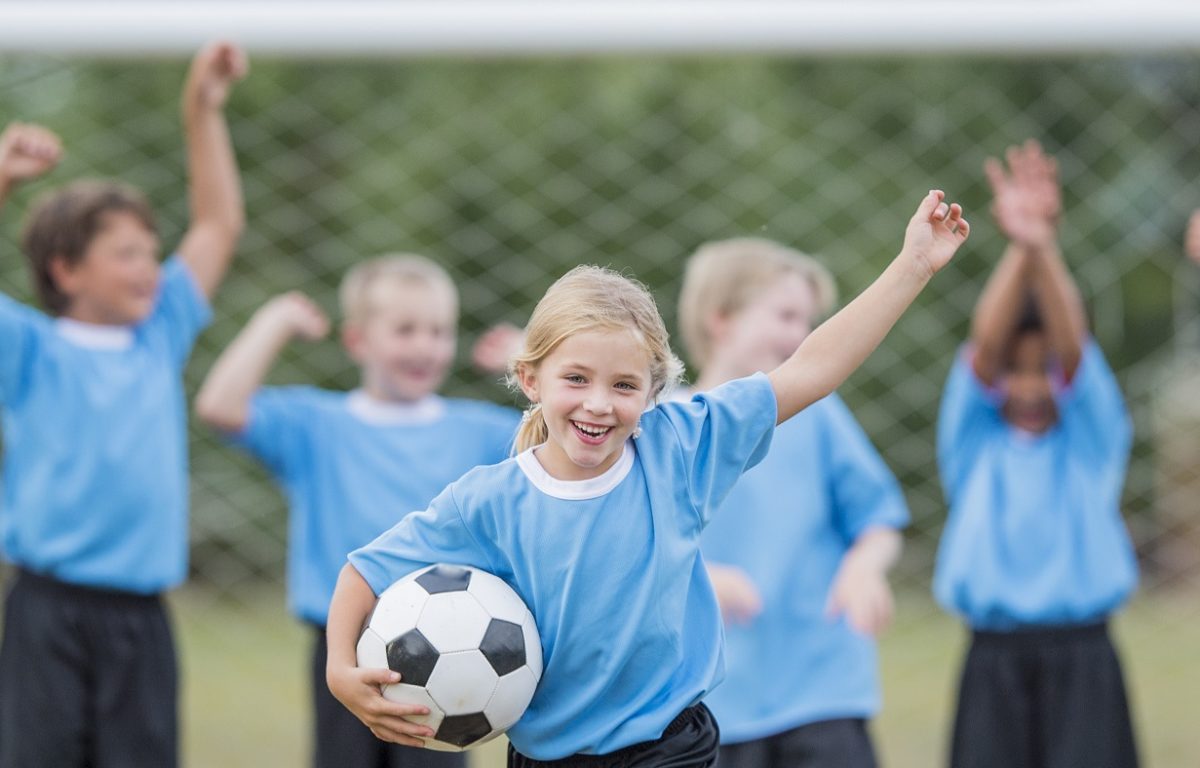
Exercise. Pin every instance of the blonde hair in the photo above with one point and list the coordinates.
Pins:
(589, 299)
(356, 291)
(724, 276)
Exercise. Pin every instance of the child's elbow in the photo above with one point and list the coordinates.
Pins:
(217, 415)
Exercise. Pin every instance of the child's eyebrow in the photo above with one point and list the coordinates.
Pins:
(573, 365)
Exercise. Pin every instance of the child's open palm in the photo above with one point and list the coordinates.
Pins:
(27, 151)
(214, 71)
(1027, 197)
(862, 595)
(936, 231)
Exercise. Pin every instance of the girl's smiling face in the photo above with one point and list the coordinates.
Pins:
(592, 388)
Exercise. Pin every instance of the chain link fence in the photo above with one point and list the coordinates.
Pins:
(509, 172)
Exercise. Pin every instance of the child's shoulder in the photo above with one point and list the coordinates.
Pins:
(480, 411)
(17, 313)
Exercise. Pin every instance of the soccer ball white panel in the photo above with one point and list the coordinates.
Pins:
(499, 598)
(372, 651)
(533, 645)
(462, 683)
(415, 694)
(512, 696)
(453, 621)
(398, 609)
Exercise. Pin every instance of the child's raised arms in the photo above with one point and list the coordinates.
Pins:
(839, 345)
(26, 152)
(215, 190)
(1027, 203)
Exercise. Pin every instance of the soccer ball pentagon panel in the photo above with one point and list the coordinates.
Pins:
(465, 646)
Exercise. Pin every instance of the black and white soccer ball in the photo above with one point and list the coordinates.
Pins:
(465, 646)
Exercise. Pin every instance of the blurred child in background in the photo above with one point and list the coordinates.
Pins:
(352, 463)
(596, 522)
(95, 431)
(800, 553)
(1033, 441)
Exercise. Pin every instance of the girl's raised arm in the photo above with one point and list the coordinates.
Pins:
(839, 345)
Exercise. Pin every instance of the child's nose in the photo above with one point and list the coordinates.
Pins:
(598, 404)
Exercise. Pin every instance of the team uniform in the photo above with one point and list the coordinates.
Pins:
(1035, 557)
(351, 466)
(94, 518)
(610, 568)
(800, 685)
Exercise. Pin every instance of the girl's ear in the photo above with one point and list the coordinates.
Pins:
(352, 340)
(527, 380)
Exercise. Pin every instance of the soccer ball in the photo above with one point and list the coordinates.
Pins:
(465, 646)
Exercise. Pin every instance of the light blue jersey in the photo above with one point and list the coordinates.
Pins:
(1034, 535)
(95, 431)
(610, 567)
(787, 524)
(351, 466)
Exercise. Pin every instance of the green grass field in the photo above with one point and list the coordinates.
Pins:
(245, 696)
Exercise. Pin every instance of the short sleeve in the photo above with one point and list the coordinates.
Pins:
(181, 311)
(1092, 410)
(275, 427)
(18, 339)
(969, 413)
(437, 534)
(864, 491)
(721, 434)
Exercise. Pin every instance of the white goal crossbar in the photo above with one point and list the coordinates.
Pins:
(592, 27)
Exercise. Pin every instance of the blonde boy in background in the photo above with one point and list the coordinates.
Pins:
(799, 558)
(352, 463)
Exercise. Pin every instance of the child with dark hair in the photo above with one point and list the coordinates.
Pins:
(94, 513)
(1033, 441)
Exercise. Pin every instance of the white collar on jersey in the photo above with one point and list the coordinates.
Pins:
(93, 336)
(575, 490)
(383, 413)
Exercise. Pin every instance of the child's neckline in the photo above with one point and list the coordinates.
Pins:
(576, 490)
(93, 335)
(382, 413)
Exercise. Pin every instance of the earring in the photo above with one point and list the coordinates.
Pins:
(637, 430)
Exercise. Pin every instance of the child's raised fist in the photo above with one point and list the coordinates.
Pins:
(27, 151)
(301, 315)
(213, 72)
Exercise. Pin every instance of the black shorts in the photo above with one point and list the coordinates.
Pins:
(840, 743)
(690, 741)
(1043, 698)
(342, 740)
(88, 677)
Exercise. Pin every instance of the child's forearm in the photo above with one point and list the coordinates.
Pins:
(353, 601)
(1059, 304)
(214, 187)
(223, 401)
(840, 345)
(997, 311)
(877, 548)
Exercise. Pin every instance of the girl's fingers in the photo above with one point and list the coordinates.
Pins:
(928, 204)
